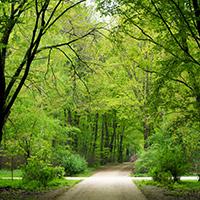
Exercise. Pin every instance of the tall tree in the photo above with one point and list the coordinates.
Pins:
(173, 27)
(40, 17)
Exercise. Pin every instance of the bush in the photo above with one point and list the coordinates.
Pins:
(163, 160)
(40, 173)
(73, 163)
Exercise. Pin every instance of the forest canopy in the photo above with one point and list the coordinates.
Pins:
(75, 88)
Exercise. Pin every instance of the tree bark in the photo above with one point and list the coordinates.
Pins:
(95, 133)
(146, 133)
(102, 141)
(69, 117)
(121, 140)
(3, 53)
(106, 142)
(197, 14)
(113, 137)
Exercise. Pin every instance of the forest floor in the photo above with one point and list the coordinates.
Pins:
(9, 193)
(152, 192)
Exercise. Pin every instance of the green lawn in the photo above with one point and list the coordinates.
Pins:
(14, 184)
(55, 184)
(7, 173)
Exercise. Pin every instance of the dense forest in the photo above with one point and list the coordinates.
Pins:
(96, 82)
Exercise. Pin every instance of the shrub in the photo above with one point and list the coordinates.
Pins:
(73, 163)
(40, 172)
(163, 160)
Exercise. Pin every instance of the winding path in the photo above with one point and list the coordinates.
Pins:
(112, 183)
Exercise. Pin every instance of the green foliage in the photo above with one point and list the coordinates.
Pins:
(72, 163)
(163, 160)
(40, 173)
(95, 97)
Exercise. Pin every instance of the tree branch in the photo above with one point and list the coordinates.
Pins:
(74, 68)
(66, 43)
(187, 23)
(173, 79)
(171, 33)
(49, 25)
(197, 14)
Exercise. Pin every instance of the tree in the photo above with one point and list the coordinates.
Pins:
(44, 15)
(173, 27)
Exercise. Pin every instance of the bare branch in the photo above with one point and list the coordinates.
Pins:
(74, 68)
(66, 43)
(78, 56)
(164, 75)
(49, 25)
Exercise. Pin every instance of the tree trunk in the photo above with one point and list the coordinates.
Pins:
(3, 52)
(106, 132)
(146, 89)
(197, 14)
(127, 154)
(69, 117)
(102, 141)
(76, 122)
(95, 137)
(11, 168)
(113, 137)
(106, 142)
(1, 130)
(146, 133)
(121, 140)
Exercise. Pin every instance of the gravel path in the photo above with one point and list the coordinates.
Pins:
(111, 183)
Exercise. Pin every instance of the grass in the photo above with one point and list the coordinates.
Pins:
(58, 183)
(139, 175)
(88, 172)
(18, 184)
(13, 184)
(182, 186)
(7, 173)
(16, 189)
(18, 173)
(187, 185)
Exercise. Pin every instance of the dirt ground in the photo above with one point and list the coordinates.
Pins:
(12, 194)
(158, 193)
(111, 183)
